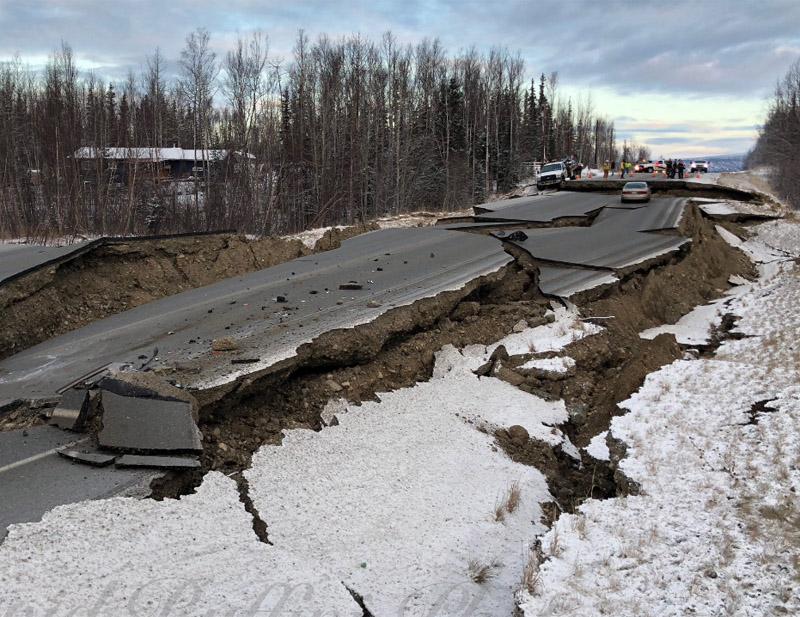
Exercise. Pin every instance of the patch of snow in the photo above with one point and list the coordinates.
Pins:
(694, 328)
(570, 449)
(598, 448)
(561, 364)
(567, 328)
(400, 496)
(188, 557)
(310, 237)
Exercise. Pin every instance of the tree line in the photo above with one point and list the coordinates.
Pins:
(344, 131)
(778, 144)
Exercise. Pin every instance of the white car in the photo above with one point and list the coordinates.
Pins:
(635, 191)
(702, 166)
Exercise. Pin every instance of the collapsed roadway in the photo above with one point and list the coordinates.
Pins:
(207, 342)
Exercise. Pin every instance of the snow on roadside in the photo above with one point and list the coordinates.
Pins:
(310, 237)
(130, 557)
(567, 328)
(400, 497)
(562, 364)
(694, 328)
(714, 446)
(598, 448)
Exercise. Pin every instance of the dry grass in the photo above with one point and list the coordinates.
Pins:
(513, 497)
(531, 573)
(508, 503)
(481, 572)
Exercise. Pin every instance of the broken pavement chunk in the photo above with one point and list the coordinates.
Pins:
(224, 344)
(95, 459)
(70, 413)
(161, 462)
(131, 423)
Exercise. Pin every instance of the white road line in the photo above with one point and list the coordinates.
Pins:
(39, 456)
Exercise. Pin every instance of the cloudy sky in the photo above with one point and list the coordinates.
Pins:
(688, 78)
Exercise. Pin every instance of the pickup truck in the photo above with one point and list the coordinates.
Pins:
(552, 175)
(649, 167)
(701, 166)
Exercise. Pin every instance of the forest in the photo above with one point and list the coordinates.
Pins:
(342, 131)
(778, 145)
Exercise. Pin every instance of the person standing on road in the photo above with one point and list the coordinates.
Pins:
(681, 168)
(629, 167)
(669, 168)
(623, 166)
(613, 167)
(606, 169)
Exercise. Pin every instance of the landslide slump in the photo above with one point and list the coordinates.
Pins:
(398, 350)
(118, 276)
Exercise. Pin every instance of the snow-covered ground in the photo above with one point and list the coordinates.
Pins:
(400, 498)
(714, 445)
(141, 558)
(406, 502)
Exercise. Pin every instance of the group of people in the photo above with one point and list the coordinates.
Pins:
(675, 167)
(625, 167)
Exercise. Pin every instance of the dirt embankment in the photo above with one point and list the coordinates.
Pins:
(122, 275)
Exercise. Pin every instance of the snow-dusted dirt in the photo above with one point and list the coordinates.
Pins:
(714, 445)
(400, 498)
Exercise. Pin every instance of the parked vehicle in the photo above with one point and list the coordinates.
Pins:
(635, 191)
(648, 167)
(552, 175)
(701, 166)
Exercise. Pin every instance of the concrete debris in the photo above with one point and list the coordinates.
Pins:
(517, 236)
(224, 344)
(70, 414)
(333, 386)
(159, 462)
(88, 457)
(373, 304)
(132, 423)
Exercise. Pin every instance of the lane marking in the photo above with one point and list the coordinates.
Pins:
(41, 455)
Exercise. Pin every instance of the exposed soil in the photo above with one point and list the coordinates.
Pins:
(121, 275)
